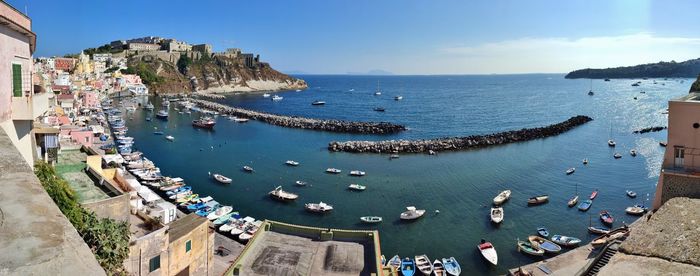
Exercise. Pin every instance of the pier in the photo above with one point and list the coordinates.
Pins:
(458, 143)
(304, 123)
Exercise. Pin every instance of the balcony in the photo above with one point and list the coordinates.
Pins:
(29, 108)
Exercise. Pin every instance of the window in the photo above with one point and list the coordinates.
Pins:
(17, 80)
(188, 246)
(154, 263)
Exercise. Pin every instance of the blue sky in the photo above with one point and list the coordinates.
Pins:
(403, 37)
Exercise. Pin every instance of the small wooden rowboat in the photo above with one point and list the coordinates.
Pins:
(536, 200)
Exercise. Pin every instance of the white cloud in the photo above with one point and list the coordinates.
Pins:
(542, 55)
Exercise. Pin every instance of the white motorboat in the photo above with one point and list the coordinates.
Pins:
(277, 98)
(240, 120)
(300, 183)
(633, 152)
(280, 194)
(501, 197)
(250, 231)
(292, 163)
(222, 178)
(611, 143)
(228, 226)
(357, 187)
(636, 210)
(219, 212)
(248, 168)
(617, 155)
(320, 207)
(242, 225)
(398, 98)
(357, 173)
(570, 170)
(333, 170)
(412, 213)
(497, 214)
(585, 161)
(488, 252)
(423, 264)
(266, 95)
(371, 219)
(170, 138)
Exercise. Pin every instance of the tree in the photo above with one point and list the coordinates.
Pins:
(183, 62)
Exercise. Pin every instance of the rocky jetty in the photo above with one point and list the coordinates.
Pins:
(304, 123)
(650, 129)
(458, 143)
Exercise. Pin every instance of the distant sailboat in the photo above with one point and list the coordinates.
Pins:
(378, 91)
(590, 91)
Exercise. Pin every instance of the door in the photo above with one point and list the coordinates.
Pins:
(679, 155)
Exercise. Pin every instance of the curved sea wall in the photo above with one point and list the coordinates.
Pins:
(304, 123)
(459, 143)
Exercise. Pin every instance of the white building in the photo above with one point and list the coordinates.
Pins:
(104, 57)
(63, 78)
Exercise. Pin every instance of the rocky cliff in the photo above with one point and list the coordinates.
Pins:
(695, 87)
(217, 74)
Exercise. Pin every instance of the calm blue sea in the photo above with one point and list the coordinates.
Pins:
(459, 184)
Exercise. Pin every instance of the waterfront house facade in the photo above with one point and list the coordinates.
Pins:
(680, 172)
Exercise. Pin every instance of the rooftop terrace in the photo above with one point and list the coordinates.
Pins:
(71, 167)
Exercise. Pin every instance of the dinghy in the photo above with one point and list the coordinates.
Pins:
(222, 178)
(526, 247)
(423, 264)
(542, 232)
(488, 252)
(451, 266)
(501, 197)
(438, 268)
(536, 200)
(585, 205)
(408, 267)
(606, 218)
(371, 219)
(542, 243)
(497, 215)
(565, 241)
(631, 194)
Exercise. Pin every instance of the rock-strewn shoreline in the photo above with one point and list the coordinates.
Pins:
(304, 123)
(458, 143)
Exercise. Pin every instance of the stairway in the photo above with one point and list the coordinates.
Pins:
(603, 258)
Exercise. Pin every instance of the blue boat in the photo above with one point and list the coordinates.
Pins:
(543, 232)
(408, 267)
(179, 190)
(196, 206)
(585, 205)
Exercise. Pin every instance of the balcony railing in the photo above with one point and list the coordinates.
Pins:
(29, 108)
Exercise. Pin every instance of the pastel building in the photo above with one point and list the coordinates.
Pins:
(680, 171)
(64, 64)
(90, 99)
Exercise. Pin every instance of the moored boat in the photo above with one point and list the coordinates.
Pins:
(633, 152)
(585, 205)
(280, 194)
(438, 268)
(542, 232)
(617, 155)
(357, 173)
(170, 138)
(536, 200)
(395, 262)
(300, 183)
(606, 218)
(451, 266)
(318, 103)
(412, 213)
(371, 219)
(222, 178)
(423, 264)
(488, 252)
(333, 170)
(320, 207)
(613, 235)
(291, 163)
(527, 248)
(379, 109)
(357, 187)
(565, 240)
(497, 215)
(572, 201)
(611, 143)
(631, 194)
(408, 267)
(221, 211)
(636, 210)
(248, 168)
(542, 243)
(163, 114)
(570, 170)
(593, 194)
(205, 122)
(598, 230)
(501, 197)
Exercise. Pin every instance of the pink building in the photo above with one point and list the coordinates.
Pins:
(128, 79)
(90, 99)
(79, 135)
(680, 171)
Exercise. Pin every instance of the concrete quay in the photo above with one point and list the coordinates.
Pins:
(304, 123)
(458, 143)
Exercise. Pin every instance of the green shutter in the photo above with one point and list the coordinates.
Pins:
(188, 246)
(154, 263)
(17, 80)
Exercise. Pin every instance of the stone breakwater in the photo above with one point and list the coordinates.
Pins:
(650, 129)
(304, 123)
(458, 143)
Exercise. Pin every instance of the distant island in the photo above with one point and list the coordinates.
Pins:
(672, 69)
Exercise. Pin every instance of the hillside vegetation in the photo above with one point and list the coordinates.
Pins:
(672, 69)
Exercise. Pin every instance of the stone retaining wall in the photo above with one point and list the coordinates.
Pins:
(458, 143)
(304, 123)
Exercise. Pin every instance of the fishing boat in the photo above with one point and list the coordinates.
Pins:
(423, 264)
(163, 114)
(357, 173)
(585, 205)
(280, 194)
(277, 98)
(248, 168)
(497, 215)
(617, 155)
(613, 235)
(398, 98)
(395, 262)
(205, 122)
(527, 248)
(357, 187)
(333, 170)
(222, 178)
(170, 138)
(451, 266)
(379, 109)
(572, 201)
(408, 267)
(565, 240)
(488, 252)
(224, 210)
(412, 213)
(542, 243)
(501, 197)
(593, 194)
(631, 194)
(300, 183)
(542, 232)
(266, 95)
(320, 207)
(633, 152)
(291, 163)
(636, 210)
(371, 219)
(606, 218)
(570, 170)
(536, 200)
(438, 268)
(585, 161)
(318, 103)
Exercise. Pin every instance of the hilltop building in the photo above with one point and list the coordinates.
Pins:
(681, 165)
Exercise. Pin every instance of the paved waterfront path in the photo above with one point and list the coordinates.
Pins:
(304, 123)
(459, 143)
